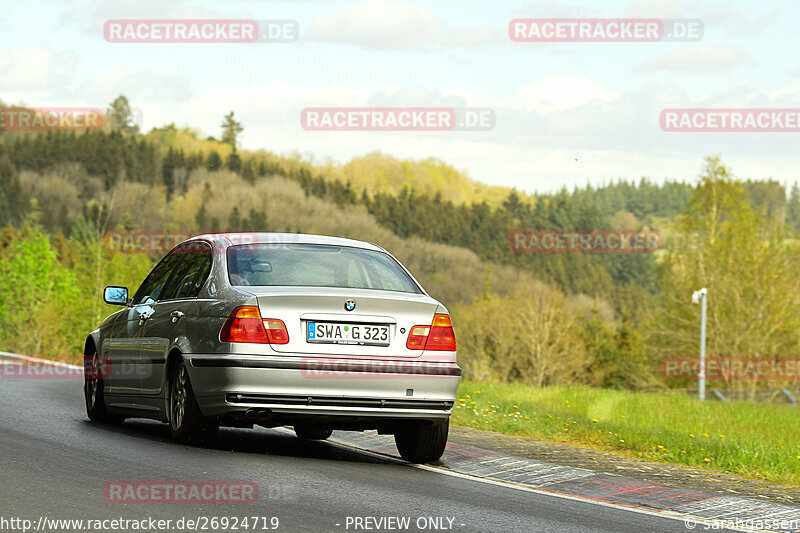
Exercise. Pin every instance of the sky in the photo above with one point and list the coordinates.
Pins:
(567, 114)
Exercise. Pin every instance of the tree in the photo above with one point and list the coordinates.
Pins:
(234, 162)
(235, 220)
(231, 130)
(121, 116)
(750, 272)
(214, 161)
(36, 291)
(539, 344)
(793, 209)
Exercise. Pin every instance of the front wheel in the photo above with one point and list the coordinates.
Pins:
(422, 443)
(186, 423)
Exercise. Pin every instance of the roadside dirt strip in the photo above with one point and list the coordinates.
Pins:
(678, 492)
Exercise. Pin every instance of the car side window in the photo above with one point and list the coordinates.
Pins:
(154, 283)
(191, 274)
(201, 278)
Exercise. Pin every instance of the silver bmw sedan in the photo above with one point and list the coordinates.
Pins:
(319, 333)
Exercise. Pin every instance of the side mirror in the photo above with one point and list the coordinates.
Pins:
(115, 295)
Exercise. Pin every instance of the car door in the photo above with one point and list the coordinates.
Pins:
(130, 370)
(174, 314)
(121, 348)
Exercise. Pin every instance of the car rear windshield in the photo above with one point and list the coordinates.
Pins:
(316, 265)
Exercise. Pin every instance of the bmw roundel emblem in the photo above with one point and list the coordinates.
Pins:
(349, 305)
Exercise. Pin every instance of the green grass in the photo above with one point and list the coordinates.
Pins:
(752, 440)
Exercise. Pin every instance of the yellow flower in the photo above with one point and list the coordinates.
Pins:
(622, 416)
(473, 403)
(706, 459)
(691, 436)
(549, 415)
(468, 396)
(705, 434)
(683, 451)
(477, 392)
(595, 420)
(722, 436)
(462, 400)
(490, 402)
(516, 407)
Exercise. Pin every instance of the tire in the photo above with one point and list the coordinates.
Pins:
(312, 432)
(422, 443)
(93, 392)
(186, 423)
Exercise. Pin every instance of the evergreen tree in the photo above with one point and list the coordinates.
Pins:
(214, 161)
(234, 162)
(231, 129)
(121, 116)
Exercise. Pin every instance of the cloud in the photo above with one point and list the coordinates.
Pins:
(557, 94)
(35, 69)
(713, 14)
(137, 85)
(697, 58)
(554, 9)
(94, 14)
(388, 24)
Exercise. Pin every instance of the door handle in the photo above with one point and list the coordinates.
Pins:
(176, 315)
(144, 315)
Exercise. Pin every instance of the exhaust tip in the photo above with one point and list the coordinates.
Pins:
(252, 414)
(264, 414)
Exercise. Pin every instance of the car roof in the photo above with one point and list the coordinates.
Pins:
(231, 239)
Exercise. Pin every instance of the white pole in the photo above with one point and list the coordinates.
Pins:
(700, 297)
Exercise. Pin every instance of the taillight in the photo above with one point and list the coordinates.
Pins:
(276, 331)
(438, 336)
(417, 337)
(246, 325)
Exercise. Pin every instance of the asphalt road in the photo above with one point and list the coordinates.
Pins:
(55, 463)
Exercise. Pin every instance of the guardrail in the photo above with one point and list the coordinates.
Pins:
(29, 359)
(780, 395)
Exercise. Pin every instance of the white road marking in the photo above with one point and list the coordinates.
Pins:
(663, 514)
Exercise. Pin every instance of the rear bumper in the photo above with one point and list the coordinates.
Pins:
(340, 390)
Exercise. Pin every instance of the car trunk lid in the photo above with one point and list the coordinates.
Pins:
(306, 310)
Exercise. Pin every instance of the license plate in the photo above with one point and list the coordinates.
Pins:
(338, 333)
